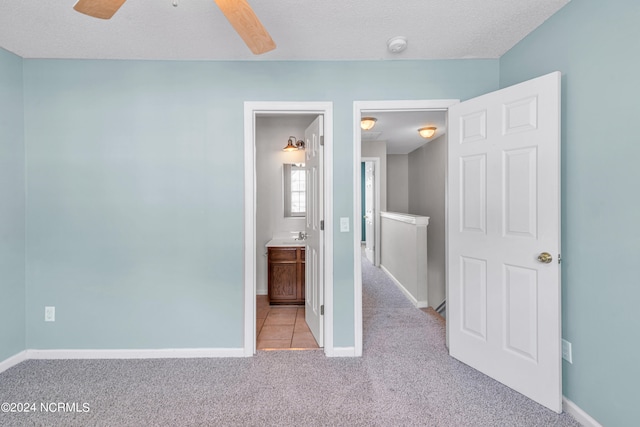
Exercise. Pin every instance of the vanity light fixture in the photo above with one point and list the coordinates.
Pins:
(427, 132)
(294, 144)
(367, 123)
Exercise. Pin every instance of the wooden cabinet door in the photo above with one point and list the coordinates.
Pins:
(283, 282)
(286, 275)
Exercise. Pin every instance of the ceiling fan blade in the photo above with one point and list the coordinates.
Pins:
(247, 25)
(103, 9)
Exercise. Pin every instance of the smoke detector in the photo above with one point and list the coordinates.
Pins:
(397, 44)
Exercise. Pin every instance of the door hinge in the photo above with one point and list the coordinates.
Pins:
(321, 139)
(559, 258)
(322, 310)
(322, 225)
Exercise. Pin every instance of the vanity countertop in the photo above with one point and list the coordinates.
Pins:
(289, 242)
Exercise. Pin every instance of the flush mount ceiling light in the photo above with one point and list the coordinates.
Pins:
(427, 132)
(367, 123)
(293, 144)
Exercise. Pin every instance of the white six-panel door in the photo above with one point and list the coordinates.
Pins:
(314, 271)
(504, 212)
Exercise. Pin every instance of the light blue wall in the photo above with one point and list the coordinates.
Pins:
(12, 208)
(595, 45)
(135, 188)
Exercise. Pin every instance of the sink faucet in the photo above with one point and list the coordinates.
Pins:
(301, 235)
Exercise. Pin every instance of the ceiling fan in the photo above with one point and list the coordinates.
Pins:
(237, 12)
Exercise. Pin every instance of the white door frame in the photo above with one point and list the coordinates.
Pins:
(250, 110)
(376, 202)
(373, 107)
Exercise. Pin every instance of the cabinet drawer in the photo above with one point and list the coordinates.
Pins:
(282, 254)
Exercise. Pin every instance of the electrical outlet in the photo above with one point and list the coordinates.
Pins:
(49, 314)
(566, 351)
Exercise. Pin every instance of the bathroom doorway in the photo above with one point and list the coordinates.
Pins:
(268, 128)
(283, 261)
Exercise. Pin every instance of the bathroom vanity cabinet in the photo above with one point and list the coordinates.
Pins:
(286, 275)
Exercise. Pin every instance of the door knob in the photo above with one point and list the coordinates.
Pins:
(545, 257)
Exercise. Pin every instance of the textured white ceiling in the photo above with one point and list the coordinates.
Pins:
(302, 30)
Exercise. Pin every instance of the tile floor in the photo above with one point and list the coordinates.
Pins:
(281, 327)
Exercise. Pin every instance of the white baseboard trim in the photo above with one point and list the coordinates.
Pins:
(13, 361)
(165, 353)
(578, 413)
(343, 352)
(414, 301)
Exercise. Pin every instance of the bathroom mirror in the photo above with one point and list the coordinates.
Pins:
(294, 190)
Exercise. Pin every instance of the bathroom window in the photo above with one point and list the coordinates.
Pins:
(294, 190)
